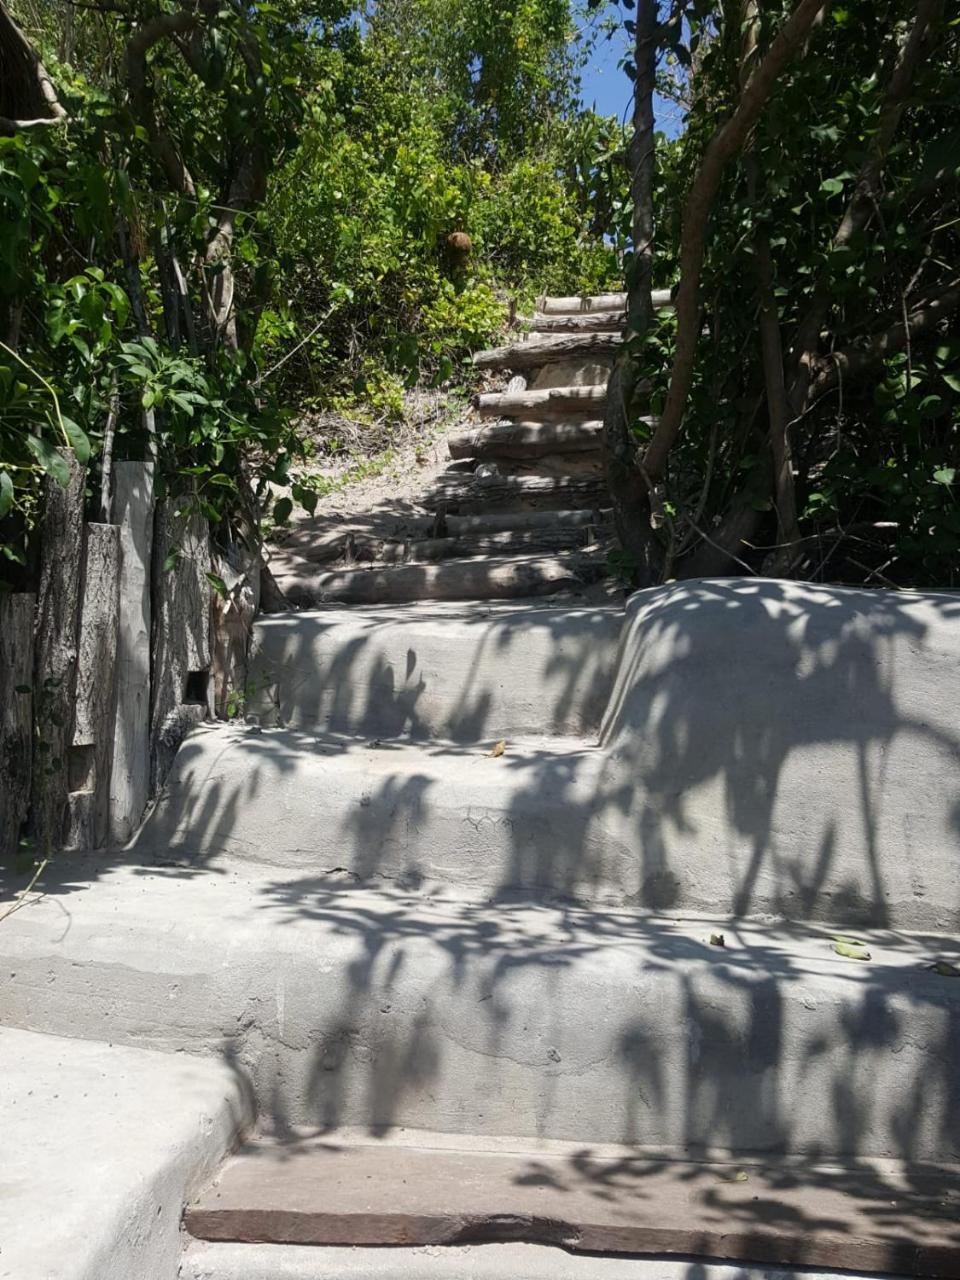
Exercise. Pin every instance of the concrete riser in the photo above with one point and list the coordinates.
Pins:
(371, 1011)
(453, 673)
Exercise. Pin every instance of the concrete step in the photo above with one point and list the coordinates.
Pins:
(382, 1012)
(102, 1146)
(203, 1261)
(882, 1216)
(528, 439)
(471, 492)
(482, 577)
(534, 352)
(769, 749)
(441, 672)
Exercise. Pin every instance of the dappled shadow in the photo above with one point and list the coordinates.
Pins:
(770, 751)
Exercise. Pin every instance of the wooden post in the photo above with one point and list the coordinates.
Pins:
(181, 685)
(91, 747)
(55, 651)
(130, 773)
(16, 716)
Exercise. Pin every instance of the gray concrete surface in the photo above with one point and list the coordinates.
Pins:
(453, 672)
(769, 749)
(385, 1011)
(452, 1262)
(101, 1147)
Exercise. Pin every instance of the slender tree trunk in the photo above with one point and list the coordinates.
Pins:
(625, 479)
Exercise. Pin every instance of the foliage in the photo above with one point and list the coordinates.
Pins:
(864, 243)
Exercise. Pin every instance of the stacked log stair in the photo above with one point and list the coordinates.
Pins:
(521, 511)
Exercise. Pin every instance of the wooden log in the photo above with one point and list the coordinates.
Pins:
(527, 439)
(130, 772)
(91, 748)
(466, 492)
(496, 522)
(480, 579)
(534, 352)
(55, 651)
(548, 404)
(231, 621)
(575, 305)
(545, 541)
(181, 687)
(16, 716)
(592, 322)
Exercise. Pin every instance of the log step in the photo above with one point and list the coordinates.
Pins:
(581, 304)
(879, 1217)
(591, 322)
(528, 439)
(545, 405)
(466, 492)
(496, 522)
(534, 352)
(484, 578)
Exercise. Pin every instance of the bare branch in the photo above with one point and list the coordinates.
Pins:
(723, 146)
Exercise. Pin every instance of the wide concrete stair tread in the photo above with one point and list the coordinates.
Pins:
(389, 1010)
(203, 1260)
(481, 576)
(882, 1216)
(102, 1145)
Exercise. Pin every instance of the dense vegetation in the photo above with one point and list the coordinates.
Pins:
(224, 213)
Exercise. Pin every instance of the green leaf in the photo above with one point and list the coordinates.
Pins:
(945, 475)
(171, 562)
(831, 185)
(218, 584)
(6, 493)
(281, 510)
(952, 380)
(78, 438)
(53, 463)
(852, 951)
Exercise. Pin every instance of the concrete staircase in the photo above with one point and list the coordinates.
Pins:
(527, 930)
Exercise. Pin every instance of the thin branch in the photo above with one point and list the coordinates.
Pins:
(723, 146)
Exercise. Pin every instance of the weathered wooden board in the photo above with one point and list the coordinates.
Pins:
(130, 773)
(181, 654)
(595, 322)
(16, 715)
(91, 749)
(534, 352)
(55, 651)
(580, 305)
(878, 1218)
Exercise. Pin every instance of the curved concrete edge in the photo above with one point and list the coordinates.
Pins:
(446, 672)
(383, 1011)
(102, 1147)
(457, 1262)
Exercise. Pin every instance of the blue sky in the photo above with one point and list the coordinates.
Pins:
(606, 87)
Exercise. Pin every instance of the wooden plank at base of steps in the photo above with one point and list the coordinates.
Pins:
(468, 493)
(581, 304)
(595, 322)
(484, 578)
(548, 404)
(869, 1216)
(528, 439)
(534, 352)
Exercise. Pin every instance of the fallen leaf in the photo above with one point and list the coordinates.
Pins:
(499, 749)
(733, 1175)
(717, 940)
(944, 968)
(850, 942)
(852, 950)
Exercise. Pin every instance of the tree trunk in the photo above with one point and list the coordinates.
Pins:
(16, 716)
(58, 621)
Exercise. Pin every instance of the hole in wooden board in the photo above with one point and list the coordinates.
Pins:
(195, 687)
(82, 768)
